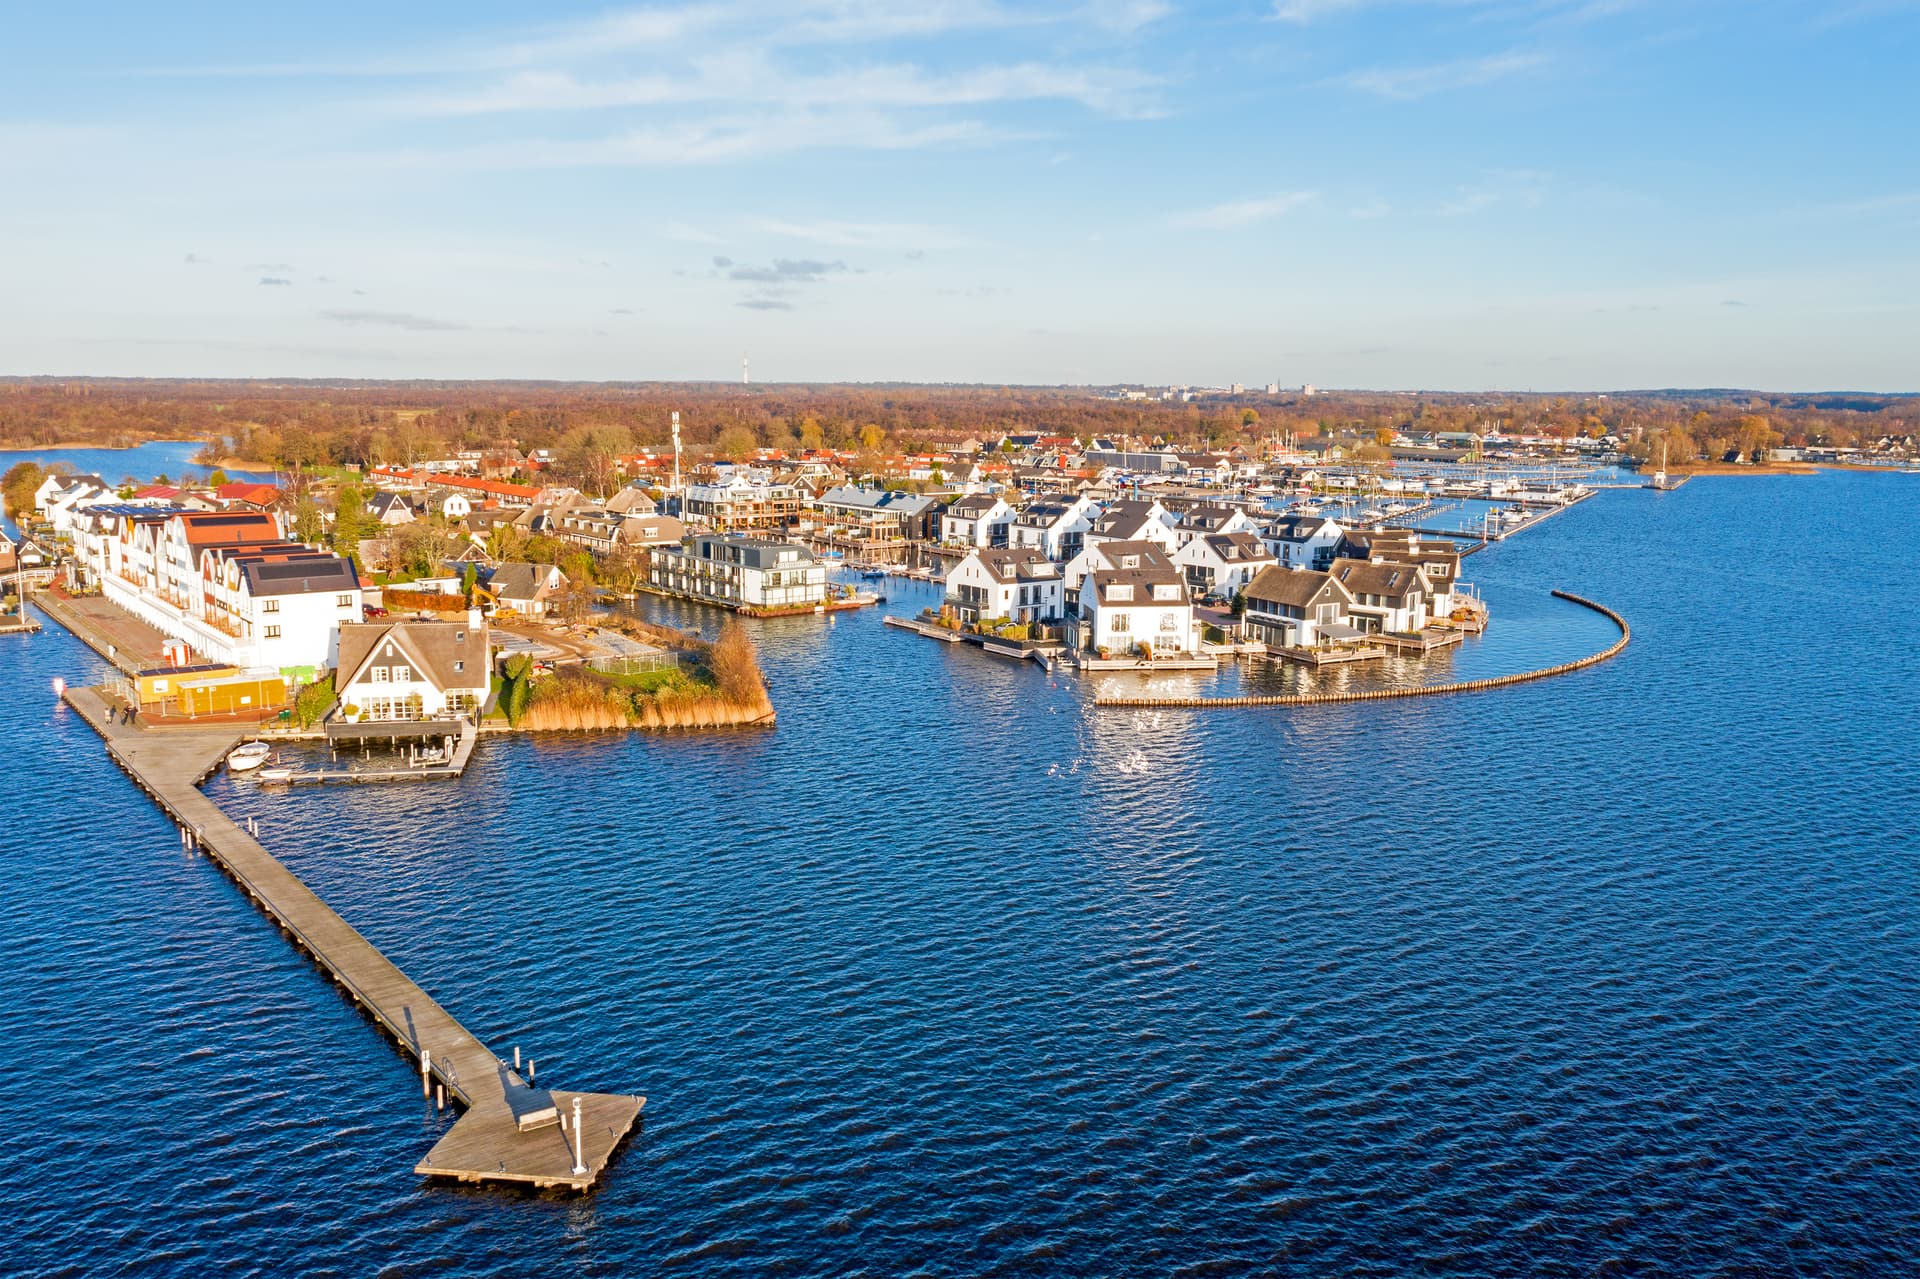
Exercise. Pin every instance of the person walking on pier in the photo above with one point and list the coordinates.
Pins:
(133, 709)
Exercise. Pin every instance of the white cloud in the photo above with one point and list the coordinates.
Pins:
(1404, 84)
(1236, 214)
(863, 235)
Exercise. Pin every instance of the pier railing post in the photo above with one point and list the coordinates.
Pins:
(426, 1071)
(579, 1144)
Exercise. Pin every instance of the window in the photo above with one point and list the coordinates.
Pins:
(1168, 624)
(273, 632)
(376, 674)
(1122, 623)
(269, 606)
(459, 667)
(344, 601)
(402, 674)
(459, 637)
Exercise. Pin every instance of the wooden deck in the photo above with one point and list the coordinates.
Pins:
(508, 1133)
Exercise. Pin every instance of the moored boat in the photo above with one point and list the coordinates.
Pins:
(248, 755)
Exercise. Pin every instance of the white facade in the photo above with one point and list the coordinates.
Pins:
(1022, 586)
(740, 571)
(1123, 616)
(1053, 526)
(973, 524)
(1221, 565)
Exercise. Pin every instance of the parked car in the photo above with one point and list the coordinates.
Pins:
(373, 610)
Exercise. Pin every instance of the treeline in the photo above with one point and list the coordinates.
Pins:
(303, 426)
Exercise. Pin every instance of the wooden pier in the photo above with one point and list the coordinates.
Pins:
(512, 1132)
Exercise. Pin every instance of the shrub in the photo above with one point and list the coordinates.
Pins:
(313, 702)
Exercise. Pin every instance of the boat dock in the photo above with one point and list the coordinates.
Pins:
(511, 1131)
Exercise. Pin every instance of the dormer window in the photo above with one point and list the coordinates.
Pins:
(1120, 591)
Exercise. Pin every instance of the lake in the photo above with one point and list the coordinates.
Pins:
(954, 973)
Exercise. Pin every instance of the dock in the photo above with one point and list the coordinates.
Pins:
(511, 1132)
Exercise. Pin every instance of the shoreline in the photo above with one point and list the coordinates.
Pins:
(78, 445)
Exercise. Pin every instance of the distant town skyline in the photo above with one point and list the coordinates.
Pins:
(1396, 194)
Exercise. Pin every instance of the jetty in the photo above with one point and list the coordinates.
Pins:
(511, 1132)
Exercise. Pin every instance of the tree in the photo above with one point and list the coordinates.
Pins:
(735, 444)
(1249, 417)
(871, 438)
(218, 478)
(308, 524)
(349, 521)
(18, 486)
(469, 580)
(1239, 603)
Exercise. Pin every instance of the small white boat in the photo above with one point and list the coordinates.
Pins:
(249, 755)
(270, 775)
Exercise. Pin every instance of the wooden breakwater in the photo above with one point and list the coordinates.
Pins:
(1390, 694)
(511, 1132)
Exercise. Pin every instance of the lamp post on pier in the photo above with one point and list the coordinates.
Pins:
(579, 1144)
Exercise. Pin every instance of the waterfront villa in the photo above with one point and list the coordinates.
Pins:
(1020, 584)
(1141, 606)
(1396, 598)
(412, 670)
(531, 590)
(1298, 608)
(742, 500)
(1134, 520)
(1207, 519)
(741, 572)
(1222, 563)
(1054, 526)
(978, 519)
(228, 584)
(1303, 541)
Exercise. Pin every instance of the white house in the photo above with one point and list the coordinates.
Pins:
(392, 509)
(978, 519)
(1303, 541)
(1222, 563)
(1134, 520)
(1203, 521)
(456, 506)
(1141, 607)
(412, 670)
(1386, 597)
(1054, 526)
(1022, 585)
(744, 572)
(1297, 608)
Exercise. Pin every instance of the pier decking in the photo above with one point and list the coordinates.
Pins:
(511, 1131)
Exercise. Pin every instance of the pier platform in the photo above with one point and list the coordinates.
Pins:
(510, 1132)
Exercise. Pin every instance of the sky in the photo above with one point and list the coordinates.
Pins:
(1406, 194)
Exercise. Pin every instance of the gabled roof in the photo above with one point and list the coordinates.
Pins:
(1391, 581)
(1238, 548)
(521, 581)
(1025, 564)
(431, 649)
(1296, 588)
(973, 505)
(1301, 528)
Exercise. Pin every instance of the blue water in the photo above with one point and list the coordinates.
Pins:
(952, 973)
(171, 458)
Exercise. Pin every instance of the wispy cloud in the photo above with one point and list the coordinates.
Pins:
(1236, 214)
(276, 281)
(785, 271)
(1304, 11)
(765, 304)
(394, 320)
(863, 235)
(1406, 84)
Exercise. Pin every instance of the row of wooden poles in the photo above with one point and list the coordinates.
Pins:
(1387, 694)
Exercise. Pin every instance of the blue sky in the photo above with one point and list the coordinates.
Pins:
(1517, 194)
